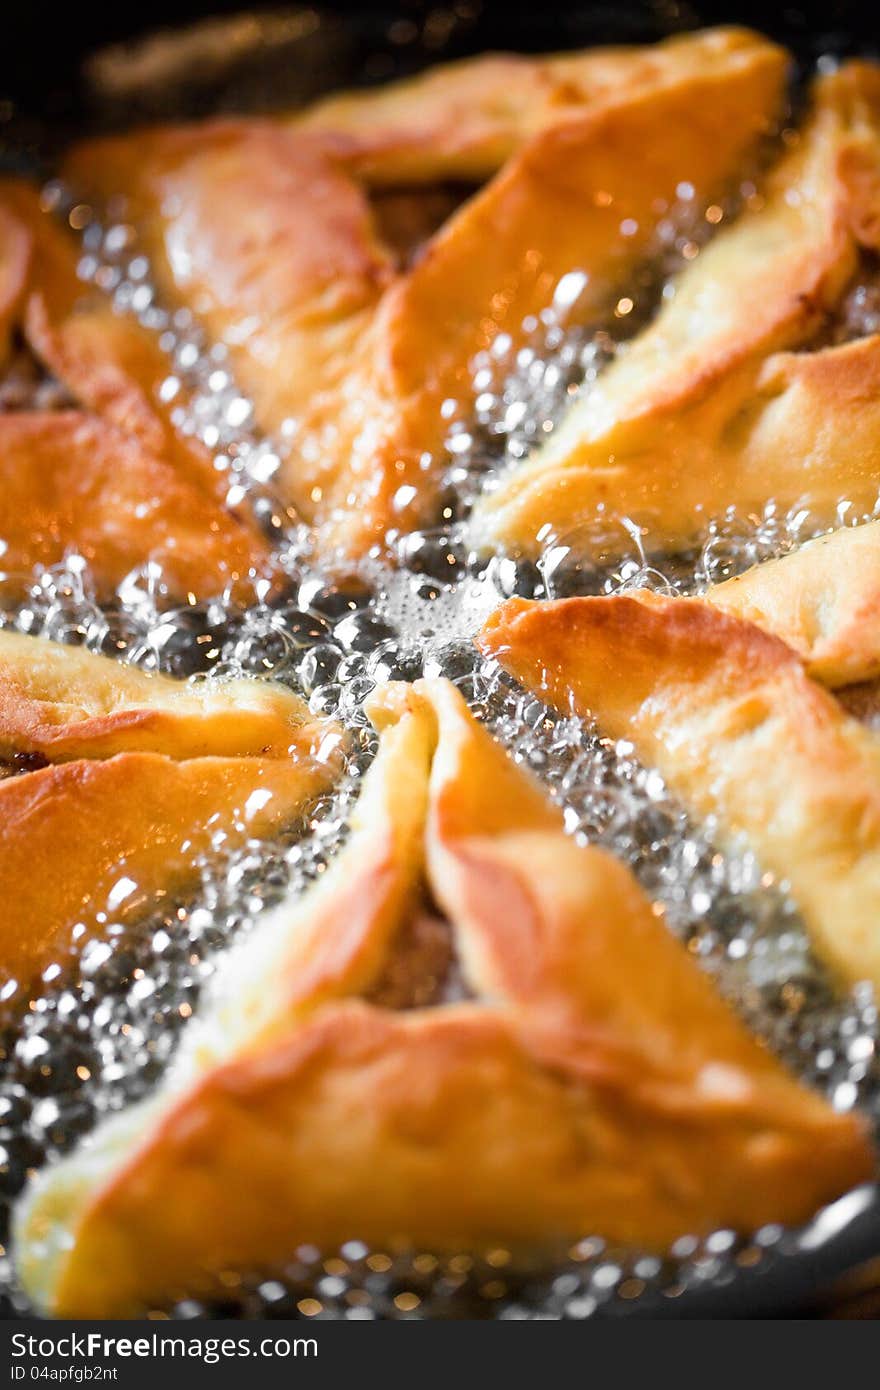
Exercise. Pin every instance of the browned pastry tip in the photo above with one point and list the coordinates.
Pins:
(731, 396)
(131, 830)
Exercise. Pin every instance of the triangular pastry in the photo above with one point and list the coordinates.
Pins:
(350, 360)
(576, 1073)
(15, 252)
(112, 776)
(727, 713)
(729, 398)
(121, 484)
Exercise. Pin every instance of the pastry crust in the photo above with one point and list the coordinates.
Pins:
(323, 331)
(595, 1081)
(118, 782)
(823, 600)
(72, 482)
(120, 485)
(717, 403)
(737, 728)
(464, 120)
(111, 364)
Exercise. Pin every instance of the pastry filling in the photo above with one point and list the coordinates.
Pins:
(862, 702)
(26, 385)
(422, 970)
(406, 218)
(17, 764)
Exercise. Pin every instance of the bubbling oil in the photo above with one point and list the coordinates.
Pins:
(104, 1023)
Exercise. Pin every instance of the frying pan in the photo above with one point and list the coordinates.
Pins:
(53, 86)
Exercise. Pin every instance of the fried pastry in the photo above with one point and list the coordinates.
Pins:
(349, 360)
(120, 484)
(823, 600)
(14, 260)
(464, 120)
(114, 782)
(577, 1072)
(721, 402)
(109, 362)
(737, 728)
(73, 482)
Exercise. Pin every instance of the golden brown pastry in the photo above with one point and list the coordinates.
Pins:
(356, 358)
(464, 120)
(110, 363)
(72, 482)
(576, 1073)
(120, 485)
(110, 776)
(720, 401)
(737, 728)
(823, 600)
